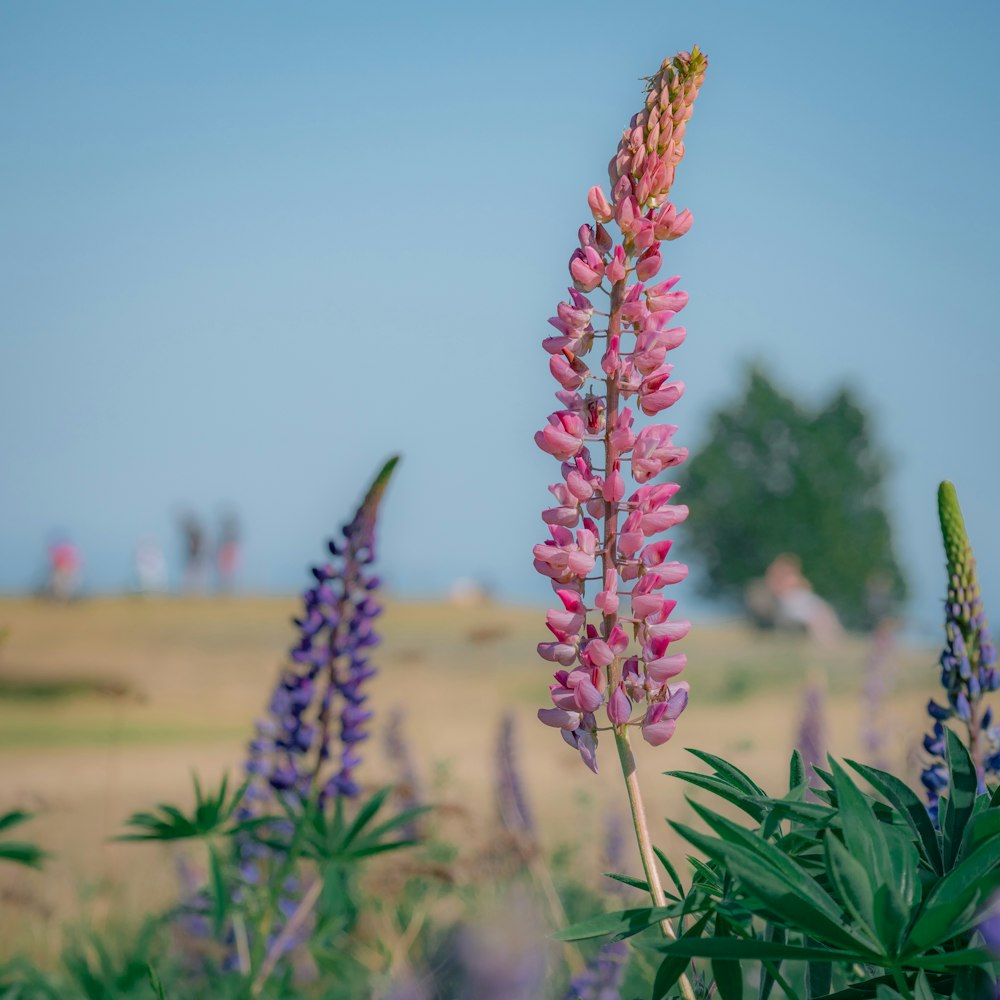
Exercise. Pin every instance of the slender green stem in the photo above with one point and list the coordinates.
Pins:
(901, 985)
(776, 975)
(291, 928)
(645, 844)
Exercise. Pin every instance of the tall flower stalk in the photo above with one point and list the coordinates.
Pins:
(614, 650)
(317, 716)
(308, 744)
(968, 661)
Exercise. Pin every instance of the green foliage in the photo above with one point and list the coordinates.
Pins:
(777, 478)
(19, 851)
(211, 816)
(817, 892)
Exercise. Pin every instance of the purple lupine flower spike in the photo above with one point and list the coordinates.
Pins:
(968, 661)
(602, 979)
(512, 801)
(811, 742)
(398, 749)
(318, 713)
(319, 694)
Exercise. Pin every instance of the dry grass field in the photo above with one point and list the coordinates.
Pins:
(108, 705)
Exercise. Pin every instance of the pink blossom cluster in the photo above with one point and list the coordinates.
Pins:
(616, 652)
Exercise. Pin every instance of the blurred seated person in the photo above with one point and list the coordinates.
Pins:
(784, 599)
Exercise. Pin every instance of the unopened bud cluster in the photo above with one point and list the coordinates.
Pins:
(969, 660)
(615, 650)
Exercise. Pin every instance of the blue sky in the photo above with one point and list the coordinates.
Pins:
(250, 249)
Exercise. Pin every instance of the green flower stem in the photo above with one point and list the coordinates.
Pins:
(659, 898)
(900, 981)
(295, 921)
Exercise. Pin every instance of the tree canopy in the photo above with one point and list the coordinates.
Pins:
(779, 477)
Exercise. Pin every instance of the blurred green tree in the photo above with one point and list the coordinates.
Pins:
(776, 477)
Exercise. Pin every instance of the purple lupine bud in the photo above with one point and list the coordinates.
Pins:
(934, 778)
(962, 707)
(934, 742)
(936, 711)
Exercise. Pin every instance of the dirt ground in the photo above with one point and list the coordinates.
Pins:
(107, 706)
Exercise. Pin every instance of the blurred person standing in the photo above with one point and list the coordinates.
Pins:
(194, 554)
(228, 552)
(150, 567)
(65, 563)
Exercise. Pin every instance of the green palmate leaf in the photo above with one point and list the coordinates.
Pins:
(154, 982)
(673, 966)
(401, 819)
(728, 972)
(730, 773)
(706, 876)
(220, 895)
(635, 883)
(962, 795)
(669, 868)
(922, 989)
(723, 789)
(961, 959)
(865, 838)
(796, 771)
(868, 988)
(356, 853)
(958, 890)
(975, 983)
(910, 807)
(769, 854)
(750, 948)
(22, 853)
(853, 884)
(884, 992)
(819, 976)
(787, 894)
(862, 833)
(825, 776)
(773, 935)
(14, 818)
(366, 813)
(621, 924)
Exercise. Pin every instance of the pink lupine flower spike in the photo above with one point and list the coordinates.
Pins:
(615, 649)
